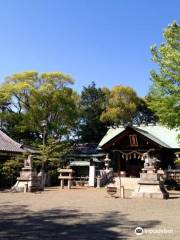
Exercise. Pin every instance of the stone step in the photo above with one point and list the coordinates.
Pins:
(128, 183)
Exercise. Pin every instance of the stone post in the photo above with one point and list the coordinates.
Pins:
(91, 176)
(98, 182)
(69, 183)
(62, 183)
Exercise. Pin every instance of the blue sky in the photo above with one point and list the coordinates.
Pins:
(106, 41)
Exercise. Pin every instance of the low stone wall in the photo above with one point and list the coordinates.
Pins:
(128, 183)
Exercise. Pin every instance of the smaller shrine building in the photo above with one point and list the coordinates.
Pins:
(126, 146)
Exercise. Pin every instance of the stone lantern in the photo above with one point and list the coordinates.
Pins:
(107, 161)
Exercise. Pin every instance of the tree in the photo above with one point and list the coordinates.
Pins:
(92, 104)
(144, 114)
(9, 170)
(122, 106)
(41, 108)
(165, 90)
(50, 154)
(40, 97)
(4, 108)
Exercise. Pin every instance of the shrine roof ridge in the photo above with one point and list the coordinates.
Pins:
(160, 134)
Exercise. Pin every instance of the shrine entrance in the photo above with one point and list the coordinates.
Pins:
(126, 146)
(127, 164)
(134, 167)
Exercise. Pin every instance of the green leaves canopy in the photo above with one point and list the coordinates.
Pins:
(41, 97)
(92, 103)
(51, 153)
(122, 105)
(165, 90)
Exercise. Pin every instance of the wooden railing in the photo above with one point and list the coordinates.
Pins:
(104, 177)
(174, 174)
(81, 181)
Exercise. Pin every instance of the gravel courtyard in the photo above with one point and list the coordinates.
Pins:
(81, 214)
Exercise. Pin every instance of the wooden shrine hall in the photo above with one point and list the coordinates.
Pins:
(126, 146)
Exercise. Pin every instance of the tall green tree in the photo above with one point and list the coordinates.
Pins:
(37, 98)
(50, 154)
(165, 90)
(122, 106)
(144, 114)
(41, 111)
(4, 108)
(92, 103)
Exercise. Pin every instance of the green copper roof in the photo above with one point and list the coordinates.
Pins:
(160, 134)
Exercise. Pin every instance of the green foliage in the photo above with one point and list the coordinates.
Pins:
(39, 97)
(9, 170)
(122, 106)
(52, 153)
(144, 114)
(165, 90)
(92, 103)
(177, 160)
(10, 167)
(50, 156)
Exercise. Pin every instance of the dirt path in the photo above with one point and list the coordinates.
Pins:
(86, 214)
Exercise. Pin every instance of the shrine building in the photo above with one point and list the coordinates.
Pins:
(126, 146)
(8, 147)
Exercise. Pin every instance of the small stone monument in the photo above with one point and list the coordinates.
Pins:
(150, 184)
(66, 174)
(28, 180)
(28, 162)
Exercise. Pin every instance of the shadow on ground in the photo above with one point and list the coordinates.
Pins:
(18, 222)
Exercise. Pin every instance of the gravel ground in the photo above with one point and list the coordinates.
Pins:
(86, 214)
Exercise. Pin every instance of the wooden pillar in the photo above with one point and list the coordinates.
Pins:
(119, 163)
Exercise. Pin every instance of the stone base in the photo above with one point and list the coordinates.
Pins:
(150, 190)
(26, 186)
(127, 182)
(28, 181)
(150, 185)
